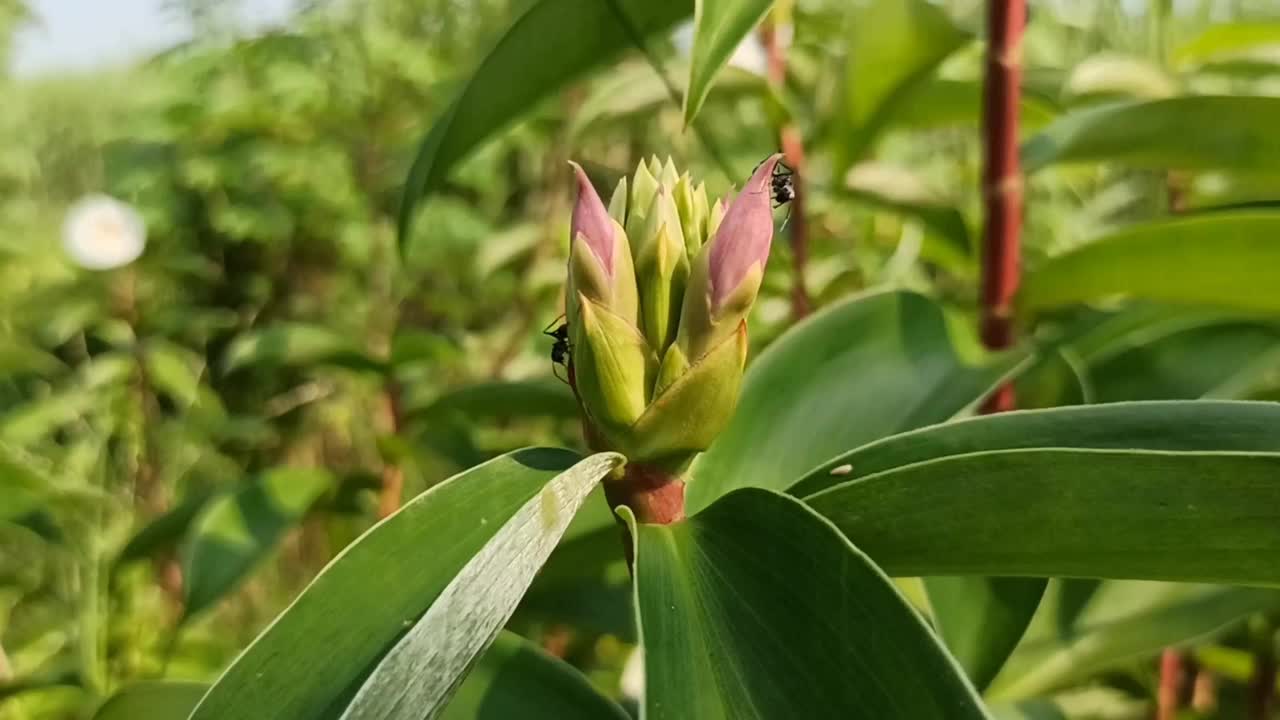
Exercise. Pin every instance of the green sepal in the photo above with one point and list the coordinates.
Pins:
(644, 186)
(618, 203)
(673, 365)
(692, 411)
(662, 275)
(613, 366)
(690, 221)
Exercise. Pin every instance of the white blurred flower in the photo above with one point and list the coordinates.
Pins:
(101, 233)
(632, 681)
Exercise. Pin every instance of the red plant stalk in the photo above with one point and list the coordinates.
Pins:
(1001, 181)
(1170, 685)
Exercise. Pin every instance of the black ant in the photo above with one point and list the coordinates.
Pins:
(560, 349)
(782, 187)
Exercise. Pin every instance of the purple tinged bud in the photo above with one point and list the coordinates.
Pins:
(743, 239)
(591, 220)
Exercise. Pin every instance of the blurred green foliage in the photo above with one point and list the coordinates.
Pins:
(273, 324)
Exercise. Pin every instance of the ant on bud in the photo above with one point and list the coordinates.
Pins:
(560, 349)
(781, 186)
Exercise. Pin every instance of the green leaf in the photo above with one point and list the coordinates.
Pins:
(361, 605)
(1084, 628)
(901, 190)
(855, 372)
(512, 679)
(1193, 516)
(1228, 259)
(174, 370)
(523, 69)
(294, 344)
(1168, 426)
(719, 26)
(1224, 360)
(757, 608)
(893, 45)
(1231, 132)
(515, 679)
(155, 700)
(236, 531)
(426, 666)
(940, 102)
(1223, 41)
(982, 619)
(499, 399)
(164, 532)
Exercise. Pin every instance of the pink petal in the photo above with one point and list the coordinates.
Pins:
(745, 234)
(591, 220)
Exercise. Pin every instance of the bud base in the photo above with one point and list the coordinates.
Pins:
(655, 494)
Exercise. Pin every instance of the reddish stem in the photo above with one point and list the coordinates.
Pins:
(1001, 181)
(1170, 685)
(792, 144)
(1262, 686)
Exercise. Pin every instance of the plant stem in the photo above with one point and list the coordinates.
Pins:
(392, 490)
(1262, 685)
(1001, 181)
(792, 143)
(655, 494)
(1170, 684)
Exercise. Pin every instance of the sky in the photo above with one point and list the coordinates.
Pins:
(83, 34)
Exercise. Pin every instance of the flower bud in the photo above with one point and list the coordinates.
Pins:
(600, 265)
(618, 203)
(662, 268)
(658, 344)
(644, 186)
(726, 275)
(612, 366)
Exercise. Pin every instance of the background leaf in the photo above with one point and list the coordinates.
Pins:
(719, 26)
(892, 45)
(1232, 132)
(294, 344)
(756, 608)
(521, 70)
(156, 700)
(982, 619)
(515, 679)
(355, 611)
(235, 532)
(852, 373)
(1226, 259)
(1085, 627)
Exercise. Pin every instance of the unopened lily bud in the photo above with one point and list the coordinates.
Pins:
(613, 366)
(669, 175)
(690, 221)
(644, 186)
(600, 265)
(618, 203)
(726, 275)
(662, 269)
(714, 216)
(655, 166)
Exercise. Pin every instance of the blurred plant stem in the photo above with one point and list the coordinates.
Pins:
(775, 35)
(392, 490)
(1001, 181)
(150, 494)
(1171, 676)
(1262, 685)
